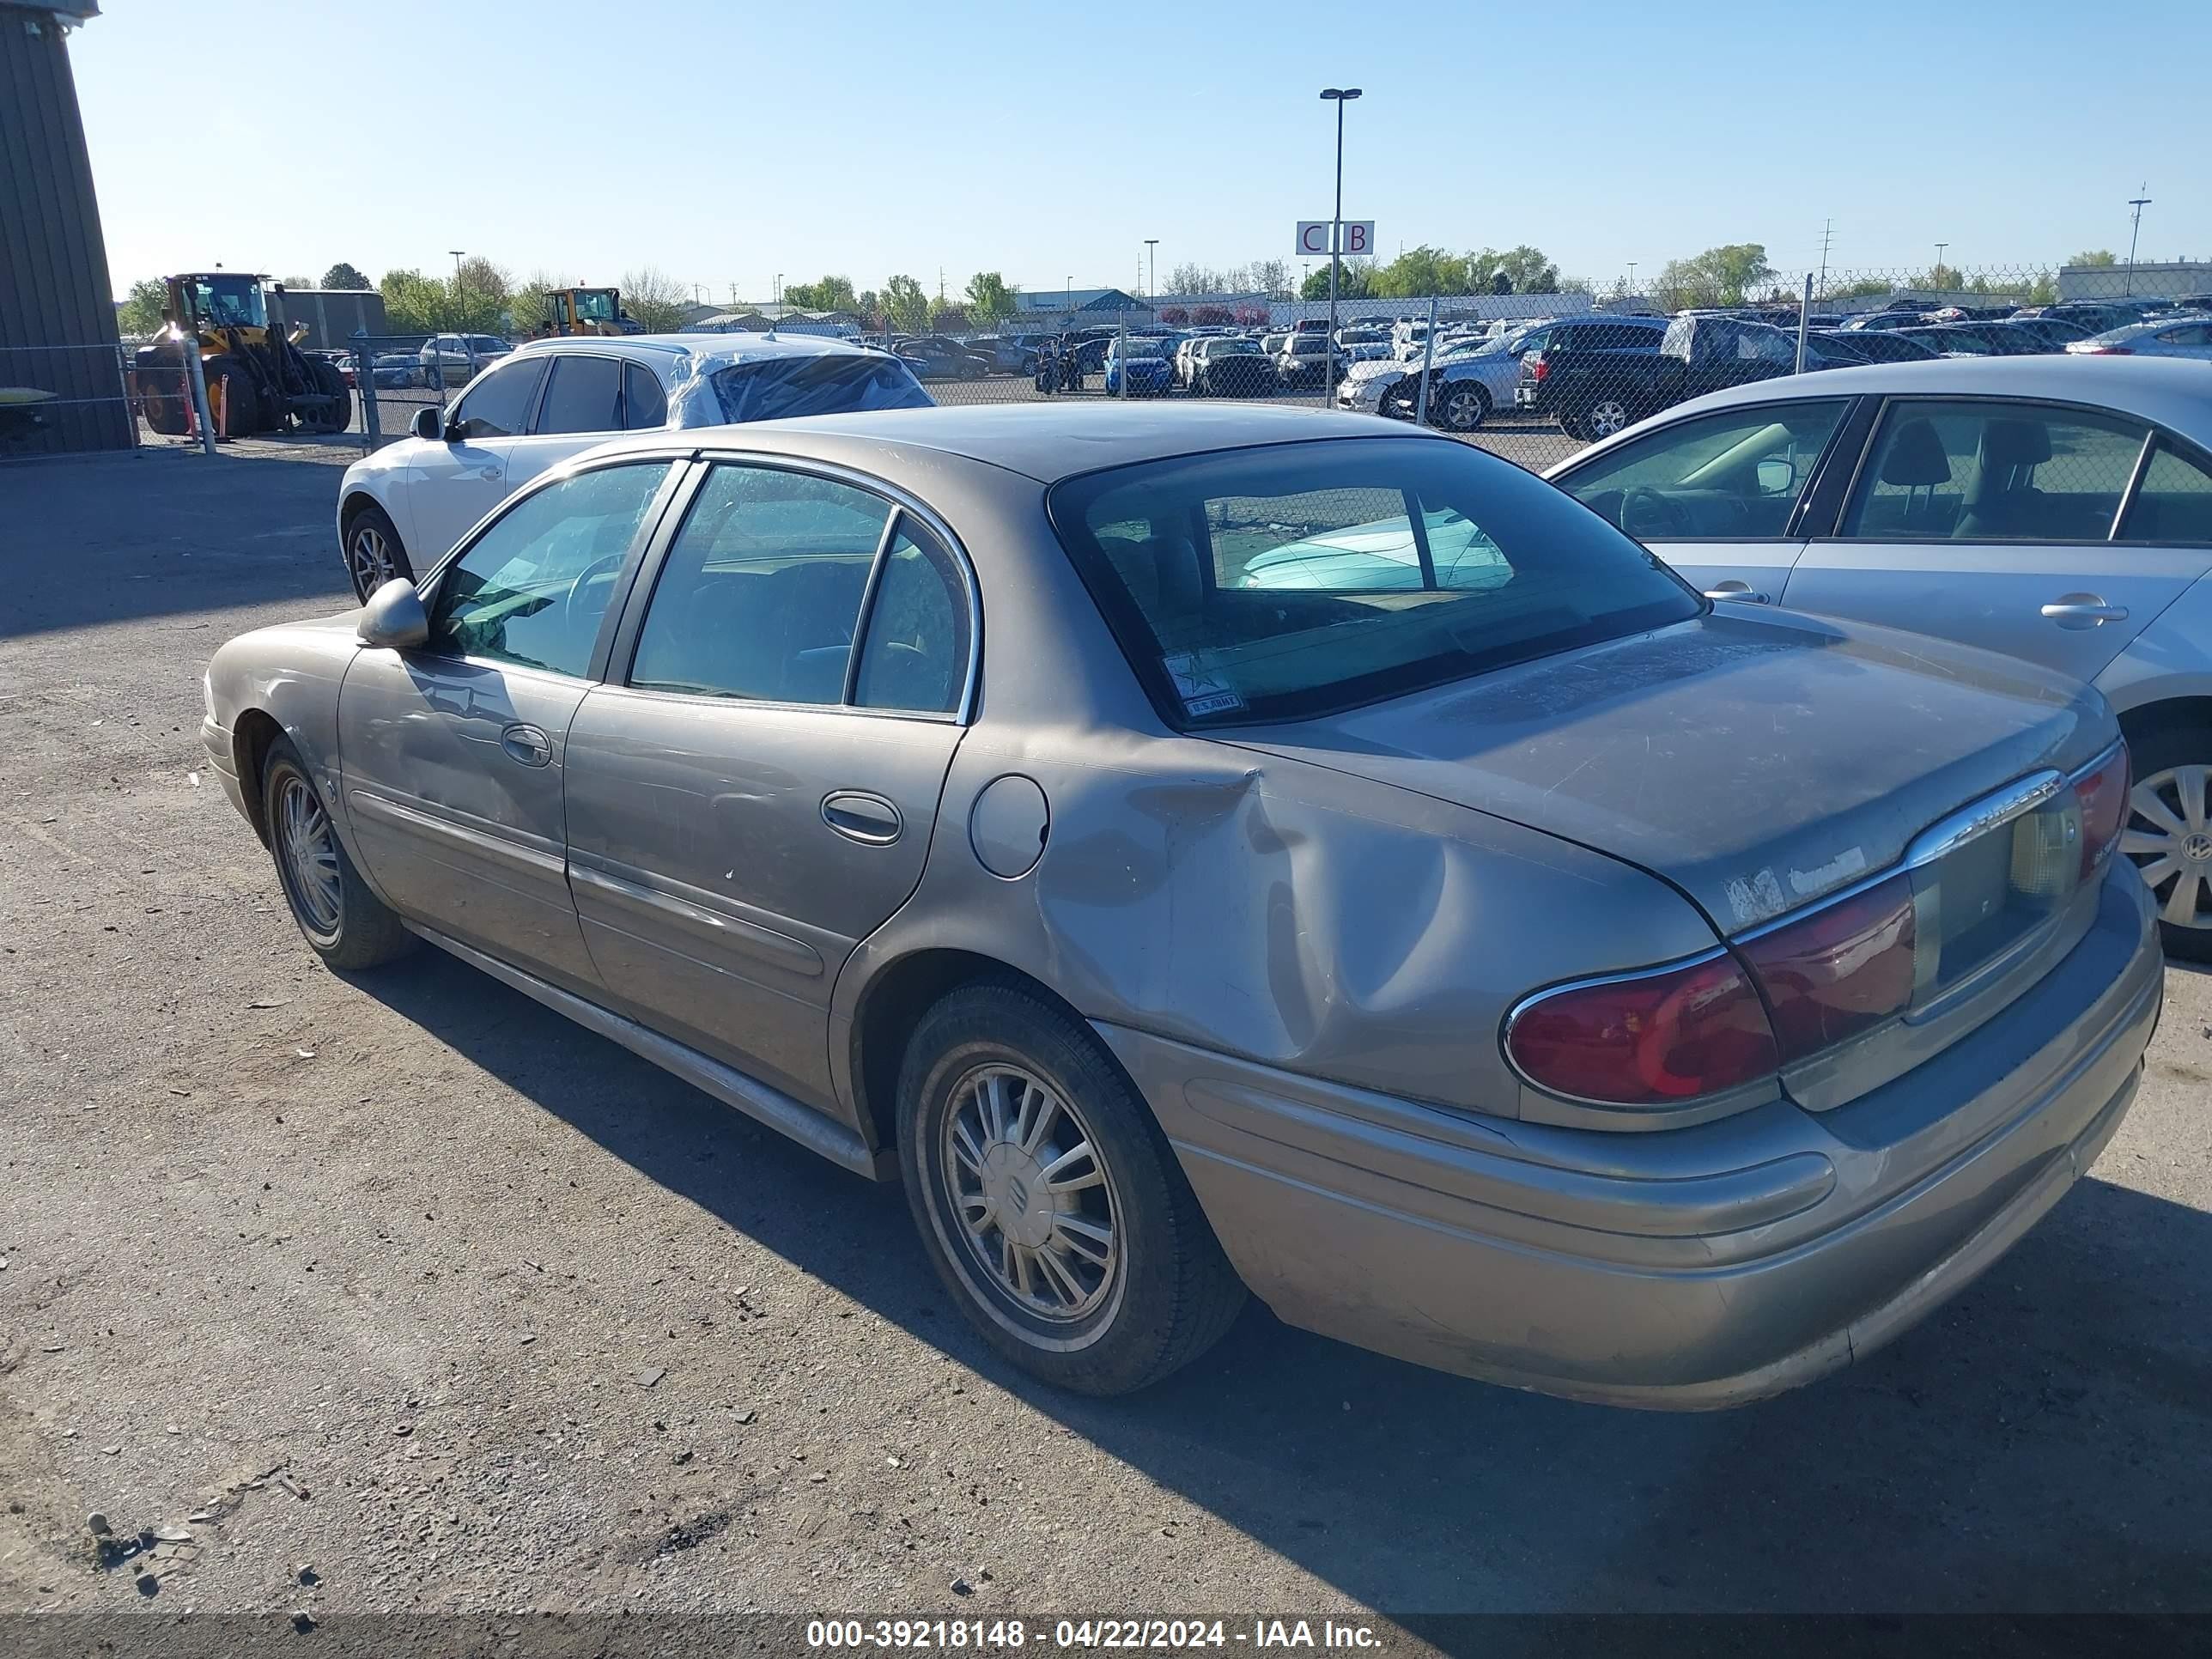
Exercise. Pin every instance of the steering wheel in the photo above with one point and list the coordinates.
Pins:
(1645, 511)
(611, 562)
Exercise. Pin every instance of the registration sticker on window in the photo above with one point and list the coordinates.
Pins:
(1200, 689)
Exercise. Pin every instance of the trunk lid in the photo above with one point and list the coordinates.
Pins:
(1757, 761)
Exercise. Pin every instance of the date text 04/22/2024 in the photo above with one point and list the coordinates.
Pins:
(987, 1635)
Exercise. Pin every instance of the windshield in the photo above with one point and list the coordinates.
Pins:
(595, 305)
(1300, 579)
(777, 388)
(1140, 348)
(229, 302)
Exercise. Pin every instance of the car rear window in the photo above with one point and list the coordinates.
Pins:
(1295, 579)
(779, 388)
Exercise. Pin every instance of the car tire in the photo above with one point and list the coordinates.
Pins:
(2172, 768)
(1459, 406)
(373, 552)
(343, 922)
(1107, 1287)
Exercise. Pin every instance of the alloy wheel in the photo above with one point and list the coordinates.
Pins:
(307, 855)
(2169, 836)
(1464, 410)
(1607, 417)
(370, 557)
(1036, 1207)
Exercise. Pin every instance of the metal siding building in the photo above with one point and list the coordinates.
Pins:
(54, 289)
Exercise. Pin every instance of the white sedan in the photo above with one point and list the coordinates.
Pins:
(401, 508)
(2169, 336)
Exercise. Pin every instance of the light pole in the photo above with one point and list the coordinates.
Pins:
(459, 320)
(1632, 279)
(1939, 271)
(1152, 266)
(2138, 203)
(1340, 96)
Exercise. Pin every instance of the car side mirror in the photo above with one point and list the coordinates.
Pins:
(394, 619)
(1776, 476)
(430, 422)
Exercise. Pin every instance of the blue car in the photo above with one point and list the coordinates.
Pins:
(1143, 363)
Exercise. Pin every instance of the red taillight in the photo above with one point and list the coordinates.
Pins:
(1538, 368)
(1843, 968)
(2104, 797)
(1654, 1039)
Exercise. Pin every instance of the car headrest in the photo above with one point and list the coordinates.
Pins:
(1916, 457)
(2015, 443)
(1175, 562)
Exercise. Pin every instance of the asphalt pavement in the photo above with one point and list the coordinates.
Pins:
(406, 1280)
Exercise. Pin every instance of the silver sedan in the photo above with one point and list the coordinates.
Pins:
(1217, 848)
(2058, 508)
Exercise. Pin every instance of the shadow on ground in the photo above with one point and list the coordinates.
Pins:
(2025, 1450)
(162, 532)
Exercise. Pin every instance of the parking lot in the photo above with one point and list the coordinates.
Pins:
(411, 1282)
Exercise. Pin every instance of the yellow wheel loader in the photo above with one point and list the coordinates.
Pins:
(257, 379)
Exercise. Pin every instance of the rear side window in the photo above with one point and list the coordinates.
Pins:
(1275, 583)
(780, 388)
(581, 396)
(1994, 472)
(915, 655)
(760, 595)
(645, 405)
(2174, 503)
(498, 404)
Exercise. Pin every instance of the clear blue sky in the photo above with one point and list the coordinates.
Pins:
(726, 142)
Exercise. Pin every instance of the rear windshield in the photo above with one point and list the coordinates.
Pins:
(1295, 579)
(777, 388)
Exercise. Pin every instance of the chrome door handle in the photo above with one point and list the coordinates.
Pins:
(526, 745)
(2083, 611)
(859, 816)
(1742, 591)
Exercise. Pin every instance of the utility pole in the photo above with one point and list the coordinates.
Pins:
(1827, 236)
(1340, 96)
(2138, 203)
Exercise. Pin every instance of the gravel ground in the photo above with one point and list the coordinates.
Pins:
(408, 1280)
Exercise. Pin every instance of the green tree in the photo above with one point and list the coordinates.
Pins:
(1718, 276)
(948, 317)
(1355, 281)
(1940, 279)
(413, 303)
(343, 274)
(830, 294)
(2044, 290)
(141, 310)
(2095, 256)
(478, 298)
(1866, 287)
(1525, 267)
(906, 304)
(1420, 271)
(990, 301)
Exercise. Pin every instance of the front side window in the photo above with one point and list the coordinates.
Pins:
(760, 595)
(1294, 579)
(1740, 473)
(498, 404)
(583, 395)
(532, 588)
(1994, 472)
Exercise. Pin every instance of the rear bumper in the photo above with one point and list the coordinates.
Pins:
(1684, 1269)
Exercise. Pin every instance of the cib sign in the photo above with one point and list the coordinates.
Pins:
(1312, 238)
